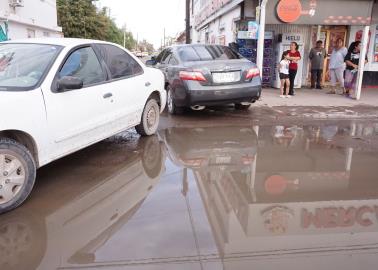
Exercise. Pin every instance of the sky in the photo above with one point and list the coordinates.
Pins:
(148, 18)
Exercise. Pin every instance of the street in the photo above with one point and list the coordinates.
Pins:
(214, 189)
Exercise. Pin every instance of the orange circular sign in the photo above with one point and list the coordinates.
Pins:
(289, 10)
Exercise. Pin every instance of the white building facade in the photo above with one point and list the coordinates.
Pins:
(28, 19)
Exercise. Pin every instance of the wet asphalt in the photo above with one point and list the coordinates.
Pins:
(216, 189)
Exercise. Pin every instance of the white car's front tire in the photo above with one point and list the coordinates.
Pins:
(150, 118)
(17, 174)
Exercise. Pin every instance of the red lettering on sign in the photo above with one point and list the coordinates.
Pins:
(333, 217)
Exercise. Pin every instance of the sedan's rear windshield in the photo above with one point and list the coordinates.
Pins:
(206, 53)
(22, 66)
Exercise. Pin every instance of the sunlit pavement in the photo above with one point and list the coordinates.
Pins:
(217, 189)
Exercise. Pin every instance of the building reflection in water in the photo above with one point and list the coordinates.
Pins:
(294, 197)
(231, 197)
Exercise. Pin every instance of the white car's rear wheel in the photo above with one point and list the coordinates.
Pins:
(150, 118)
(17, 174)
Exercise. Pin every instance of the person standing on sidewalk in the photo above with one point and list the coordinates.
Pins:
(337, 66)
(317, 56)
(284, 73)
(293, 56)
(352, 60)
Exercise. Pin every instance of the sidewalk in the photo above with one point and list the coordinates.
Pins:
(317, 104)
(314, 98)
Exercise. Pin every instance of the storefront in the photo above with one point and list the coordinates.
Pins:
(312, 20)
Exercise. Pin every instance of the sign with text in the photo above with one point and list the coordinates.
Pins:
(320, 12)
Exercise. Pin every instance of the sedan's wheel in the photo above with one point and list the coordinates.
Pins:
(150, 118)
(17, 174)
(243, 107)
(172, 108)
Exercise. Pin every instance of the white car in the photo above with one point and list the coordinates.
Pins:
(58, 96)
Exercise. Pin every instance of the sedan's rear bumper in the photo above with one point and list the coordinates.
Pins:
(218, 95)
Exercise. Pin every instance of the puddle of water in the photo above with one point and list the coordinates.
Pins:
(232, 197)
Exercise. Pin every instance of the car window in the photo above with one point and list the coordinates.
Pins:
(22, 66)
(119, 62)
(206, 53)
(160, 56)
(165, 58)
(83, 63)
(172, 61)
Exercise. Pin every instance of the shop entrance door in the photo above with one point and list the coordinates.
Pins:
(330, 36)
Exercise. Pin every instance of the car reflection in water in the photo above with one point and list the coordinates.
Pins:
(81, 201)
(300, 201)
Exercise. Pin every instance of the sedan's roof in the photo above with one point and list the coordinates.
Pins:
(65, 42)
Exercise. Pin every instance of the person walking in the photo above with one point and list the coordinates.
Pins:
(317, 56)
(337, 66)
(352, 60)
(293, 56)
(284, 74)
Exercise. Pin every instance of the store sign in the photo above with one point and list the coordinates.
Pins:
(4, 32)
(292, 37)
(289, 11)
(320, 12)
(340, 217)
(252, 35)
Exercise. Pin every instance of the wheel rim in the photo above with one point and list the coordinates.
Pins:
(170, 101)
(12, 177)
(151, 117)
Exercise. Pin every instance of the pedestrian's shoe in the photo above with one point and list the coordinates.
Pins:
(282, 96)
(332, 92)
(319, 87)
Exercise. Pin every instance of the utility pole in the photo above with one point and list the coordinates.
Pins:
(164, 38)
(124, 37)
(187, 21)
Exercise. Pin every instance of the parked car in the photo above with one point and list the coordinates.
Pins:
(211, 148)
(58, 96)
(198, 75)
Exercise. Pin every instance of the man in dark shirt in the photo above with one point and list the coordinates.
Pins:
(352, 60)
(317, 56)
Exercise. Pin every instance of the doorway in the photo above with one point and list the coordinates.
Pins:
(329, 36)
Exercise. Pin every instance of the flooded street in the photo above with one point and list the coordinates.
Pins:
(234, 193)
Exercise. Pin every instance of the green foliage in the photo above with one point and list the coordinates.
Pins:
(81, 19)
(144, 46)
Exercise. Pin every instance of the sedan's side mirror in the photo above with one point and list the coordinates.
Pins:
(151, 62)
(67, 83)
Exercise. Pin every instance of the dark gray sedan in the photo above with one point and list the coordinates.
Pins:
(199, 75)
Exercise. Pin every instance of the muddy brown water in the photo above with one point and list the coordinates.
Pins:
(227, 196)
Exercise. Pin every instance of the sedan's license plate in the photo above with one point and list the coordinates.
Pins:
(226, 77)
(223, 160)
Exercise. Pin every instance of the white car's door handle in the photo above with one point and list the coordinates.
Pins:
(147, 84)
(107, 95)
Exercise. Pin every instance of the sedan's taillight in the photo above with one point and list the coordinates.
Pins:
(192, 76)
(253, 72)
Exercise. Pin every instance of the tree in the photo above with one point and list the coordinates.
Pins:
(146, 46)
(81, 19)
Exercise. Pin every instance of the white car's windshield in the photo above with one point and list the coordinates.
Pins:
(22, 66)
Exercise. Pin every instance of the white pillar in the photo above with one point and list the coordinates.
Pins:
(260, 42)
(361, 64)
(318, 33)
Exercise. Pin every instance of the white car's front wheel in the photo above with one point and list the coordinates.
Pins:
(17, 174)
(150, 118)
